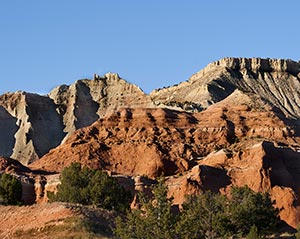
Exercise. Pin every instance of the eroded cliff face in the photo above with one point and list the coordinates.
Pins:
(263, 167)
(233, 123)
(238, 141)
(31, 124)
(85, 101)
(276, 81)
(154, 141)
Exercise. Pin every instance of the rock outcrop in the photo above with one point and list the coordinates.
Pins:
(241, 140)
(263, 167)
(234, 123)
(31, 124)
(23, 174)
(275, 81)
(152, 141)
(85, 101)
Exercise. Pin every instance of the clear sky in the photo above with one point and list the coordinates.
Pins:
(151, 43)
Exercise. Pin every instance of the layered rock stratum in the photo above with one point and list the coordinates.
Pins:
(276, 81)
(238, 141)
(31, 124)
(234, 123)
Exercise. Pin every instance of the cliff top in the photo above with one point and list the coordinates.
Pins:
(253, 64)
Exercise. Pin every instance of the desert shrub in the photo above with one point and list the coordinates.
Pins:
(154, 219)
(253, 233)
(208, 215)
(297, 234)
(91, 187)
(248, 208)
(10, 190)
(203, 216)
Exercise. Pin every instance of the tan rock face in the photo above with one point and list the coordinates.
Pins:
(31, 124)
(85, 101)
(233, 123)
(276, 81)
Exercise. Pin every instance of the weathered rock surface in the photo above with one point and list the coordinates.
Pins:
(85, 101)
(263, 167)
(23, 174)
(240, 140)
(236, 122)
(151, 141)
(275, 81)
(31, 125)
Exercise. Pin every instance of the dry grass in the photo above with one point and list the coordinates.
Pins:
(69, 228)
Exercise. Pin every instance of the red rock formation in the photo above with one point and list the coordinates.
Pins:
(245, 131)
(155, 141)
(12, 166)
(263, 167)
(235, 142)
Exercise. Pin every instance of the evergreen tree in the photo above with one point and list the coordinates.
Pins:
(153, 220)
(253, 233)
(248, 208)
(10, 190)
(203, 216)
(208, 215)
(91, 187)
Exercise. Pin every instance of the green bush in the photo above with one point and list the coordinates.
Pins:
(91, 187)
(154, 219)
(248, 208)
(203, 216)
(207, 215)
(297, 234)
(253, 233)
(10, 190)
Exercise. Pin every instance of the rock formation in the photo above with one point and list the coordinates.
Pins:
(235, 122)
(238, 141)
(31, 124)
(151, 141)
(275, 81)
(263, 167)
(83, 102)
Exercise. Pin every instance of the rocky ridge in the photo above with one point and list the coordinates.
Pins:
(238, 141)
(31, 124)
(233, 123)
(275, 81)
(85, 101)
(166, 140)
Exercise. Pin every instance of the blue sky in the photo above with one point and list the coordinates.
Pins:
(152, 43)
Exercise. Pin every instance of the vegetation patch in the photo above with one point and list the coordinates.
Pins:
(10, 190)
(203, 216)
(91, 187)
